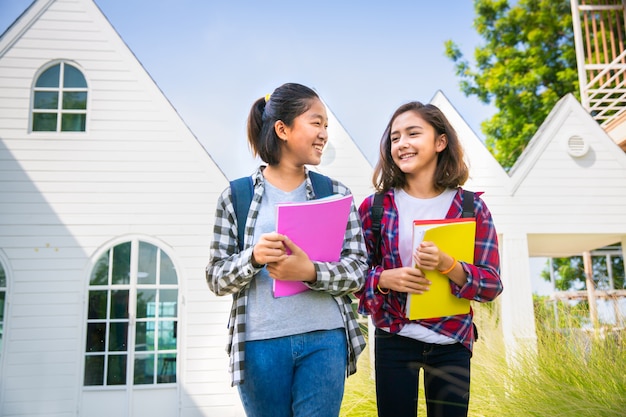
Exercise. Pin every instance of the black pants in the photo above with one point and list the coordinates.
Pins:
(446, 376)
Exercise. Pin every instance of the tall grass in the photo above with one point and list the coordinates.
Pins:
(572, 373)
(359, 398)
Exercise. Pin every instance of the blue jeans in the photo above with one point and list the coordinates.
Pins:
(446, 376)
(301, 375)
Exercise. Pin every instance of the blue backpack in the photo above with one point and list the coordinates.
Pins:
(242, 191)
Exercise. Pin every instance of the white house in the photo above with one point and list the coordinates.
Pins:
(104, 231)
(106, 220)
(345, 161)
(564, 196)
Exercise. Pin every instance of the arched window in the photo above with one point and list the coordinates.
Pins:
(60, 100)
(132, 317)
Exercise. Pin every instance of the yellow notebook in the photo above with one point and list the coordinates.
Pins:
(456, 238)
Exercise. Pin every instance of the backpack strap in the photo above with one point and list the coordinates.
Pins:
(377, 215)
(468, 211)
(241, 191)
(468, 204)
(322, 185)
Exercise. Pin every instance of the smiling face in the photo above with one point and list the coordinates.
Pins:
(304, 140)
(415, 144)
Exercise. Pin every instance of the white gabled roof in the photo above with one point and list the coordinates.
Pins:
(344, 161)
(485, 171)
(137, 172)
(569, 185)
(565, 204)
(486, 174)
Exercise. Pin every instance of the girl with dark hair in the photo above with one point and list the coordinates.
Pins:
(420, 173)
(297, 350)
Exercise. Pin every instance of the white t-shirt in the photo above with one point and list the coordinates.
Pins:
(412, 208)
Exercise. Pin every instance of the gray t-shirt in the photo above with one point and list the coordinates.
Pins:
(269, 317)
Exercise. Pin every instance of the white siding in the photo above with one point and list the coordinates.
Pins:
(549, 193)
(486, 175)
(137, 172)
(551, 205)
(349, 165)
(554, 192)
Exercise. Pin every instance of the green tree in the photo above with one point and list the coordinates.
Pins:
(569, 273)
(527, 63)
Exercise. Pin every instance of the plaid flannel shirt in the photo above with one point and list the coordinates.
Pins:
(230, 272)
(483, 276)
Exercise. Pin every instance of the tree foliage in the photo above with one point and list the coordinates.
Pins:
(527, 63)
(569, 273)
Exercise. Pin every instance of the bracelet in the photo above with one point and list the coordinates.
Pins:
(381, 290)
(447, 271)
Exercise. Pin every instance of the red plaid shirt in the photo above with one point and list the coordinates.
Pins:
(483, 276)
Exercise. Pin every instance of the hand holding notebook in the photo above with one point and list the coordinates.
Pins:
(318, 227)
(456, 238)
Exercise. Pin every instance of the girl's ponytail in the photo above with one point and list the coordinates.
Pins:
(255, 125)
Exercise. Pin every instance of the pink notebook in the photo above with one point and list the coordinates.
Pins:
(316, 226)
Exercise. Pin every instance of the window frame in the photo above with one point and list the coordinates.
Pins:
(132, 287)
(60, 90)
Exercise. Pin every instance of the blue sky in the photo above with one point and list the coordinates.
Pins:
(212, 59)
